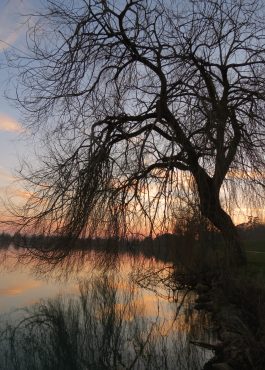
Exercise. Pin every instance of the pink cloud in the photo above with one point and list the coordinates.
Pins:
(19, 288)
(9, 124)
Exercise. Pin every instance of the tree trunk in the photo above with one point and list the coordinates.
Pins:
(211, 208)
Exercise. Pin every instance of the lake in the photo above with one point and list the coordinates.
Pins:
(96, 310)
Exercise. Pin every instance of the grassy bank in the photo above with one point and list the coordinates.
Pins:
(237, 303)
(236, 299)
(255, 251)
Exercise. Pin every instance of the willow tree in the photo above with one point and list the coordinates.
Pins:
(135, 93)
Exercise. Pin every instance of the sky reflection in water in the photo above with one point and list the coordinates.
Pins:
(23, 284)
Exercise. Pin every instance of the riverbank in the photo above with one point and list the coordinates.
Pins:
(237, 306)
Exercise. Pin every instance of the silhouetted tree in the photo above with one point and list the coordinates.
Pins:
(134, 94)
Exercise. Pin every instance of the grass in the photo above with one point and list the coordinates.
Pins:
(255, 257)
(237, 299)
(255, 251)
(258, 246)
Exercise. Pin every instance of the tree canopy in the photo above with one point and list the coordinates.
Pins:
(139, 96)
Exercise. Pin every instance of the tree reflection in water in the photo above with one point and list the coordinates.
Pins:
(112, 323)
(103, 328)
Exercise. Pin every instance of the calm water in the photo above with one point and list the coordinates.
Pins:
(97, 311)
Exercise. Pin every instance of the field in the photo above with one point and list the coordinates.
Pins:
(256, 254)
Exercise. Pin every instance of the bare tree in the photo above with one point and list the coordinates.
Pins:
(134, 94)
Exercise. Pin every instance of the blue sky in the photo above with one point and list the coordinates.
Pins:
(13, 143)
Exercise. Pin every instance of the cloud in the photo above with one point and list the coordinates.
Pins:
(6, 41)
(5, 175)
(245, 175)
(11, 22)
(19, 288)
(9, 124)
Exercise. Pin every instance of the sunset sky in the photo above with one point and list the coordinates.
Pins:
(14, 144)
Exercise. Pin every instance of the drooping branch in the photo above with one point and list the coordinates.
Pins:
(135, 93)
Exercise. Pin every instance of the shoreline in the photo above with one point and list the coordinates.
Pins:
(239, 346)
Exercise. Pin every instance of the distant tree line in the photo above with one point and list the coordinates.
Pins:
(165, 247)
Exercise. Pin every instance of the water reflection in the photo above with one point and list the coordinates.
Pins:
(129, 314)
(102, 328)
